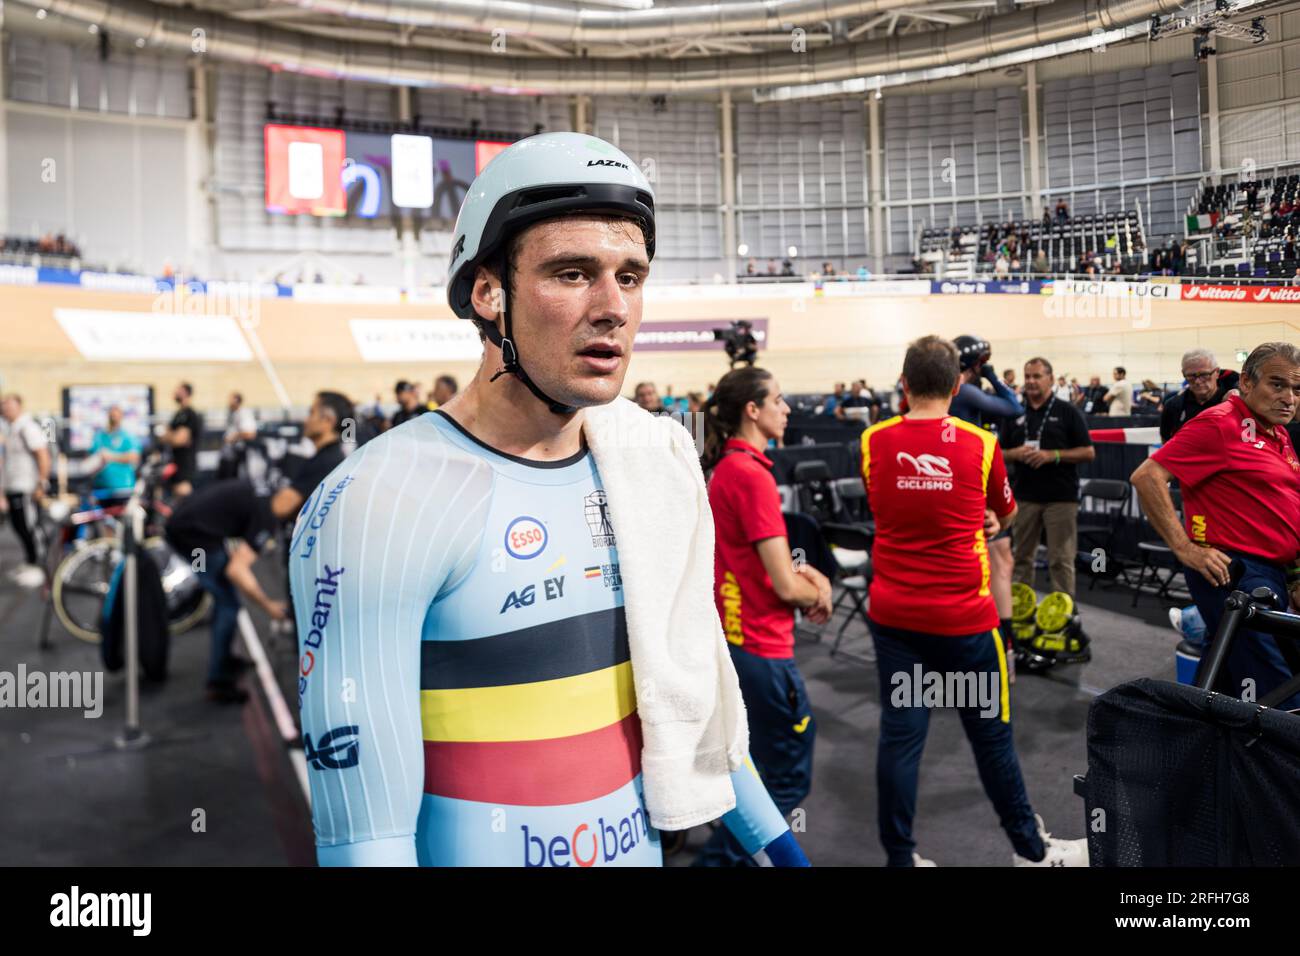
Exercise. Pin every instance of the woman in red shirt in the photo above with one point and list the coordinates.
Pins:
(757, 587)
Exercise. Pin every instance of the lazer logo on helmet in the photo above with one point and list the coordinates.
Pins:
(606, 162)
(587, 845)
(932, 473)
(525, 538)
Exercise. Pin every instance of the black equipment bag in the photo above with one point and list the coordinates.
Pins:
(1188, 777)
(151, 617)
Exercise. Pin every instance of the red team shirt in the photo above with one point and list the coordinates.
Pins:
(746, 509)
(1222, 464)
(928, 482)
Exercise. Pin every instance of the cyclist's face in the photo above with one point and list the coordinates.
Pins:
(577, 305)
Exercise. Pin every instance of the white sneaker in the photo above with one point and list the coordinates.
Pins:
(29, 576)
(918, 860)
(1176, 618)
(1059, 852)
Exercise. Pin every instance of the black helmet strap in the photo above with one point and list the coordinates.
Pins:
(510, 359)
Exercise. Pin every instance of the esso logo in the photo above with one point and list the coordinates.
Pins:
(525, 538)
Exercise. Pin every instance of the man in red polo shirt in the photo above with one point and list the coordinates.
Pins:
(1240, 479)
(938, 489)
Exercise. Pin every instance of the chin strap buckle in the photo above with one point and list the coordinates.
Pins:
(509, 359)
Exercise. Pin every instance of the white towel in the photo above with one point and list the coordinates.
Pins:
(692, 715)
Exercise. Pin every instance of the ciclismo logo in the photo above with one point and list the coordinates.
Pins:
(932, 472)
(603, 842)
(525, 538)
(326, 589)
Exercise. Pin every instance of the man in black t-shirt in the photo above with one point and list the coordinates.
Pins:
(198, 530)
(1207, 384)
(408, 398)
(859, 397)
(330, 415)
(1047, 443)
(182, 437)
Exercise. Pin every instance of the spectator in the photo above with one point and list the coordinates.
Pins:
(863, 272)
(1119, 395)
(859, 397)
(1062, 212)
(24, 474)
(1150, 399)
(751, 268)
(198, 531)
(182, 436)
(1240, 481)
(787, 267)
(1009, 380)
(1093, 398)
(1040, 265)
(118, 456)
(241, 428)
(1062, 390)
(328, 417)
(408, 401)
(1207, 385)
(1048, 442)
(444, 390)
(1047, 218)
(695, 402)
(834, 400)
(828, 269)
(647, 396)
(1001, 266)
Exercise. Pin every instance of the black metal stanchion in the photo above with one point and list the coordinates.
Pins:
(132, 736)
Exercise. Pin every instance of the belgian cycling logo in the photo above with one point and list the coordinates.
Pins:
(932, 473)
(337, 749)
(526, 538)
(609, 574)
(596, 511)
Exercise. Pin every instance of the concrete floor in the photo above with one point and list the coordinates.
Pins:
(71, 798)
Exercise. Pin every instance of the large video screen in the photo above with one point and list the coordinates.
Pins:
(324, 172)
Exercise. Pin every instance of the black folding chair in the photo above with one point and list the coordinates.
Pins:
(1099, 528)
(853, 578)
(1157, 556)
(813, 489)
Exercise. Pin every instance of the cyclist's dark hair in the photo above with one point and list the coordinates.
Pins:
(339, 406)
(449, 381)
(931, 367)
(726, 407)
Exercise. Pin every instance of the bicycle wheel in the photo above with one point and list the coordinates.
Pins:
(187, 603)
(80, 586)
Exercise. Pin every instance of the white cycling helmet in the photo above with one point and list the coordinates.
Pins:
(539, 178)
(535, 179)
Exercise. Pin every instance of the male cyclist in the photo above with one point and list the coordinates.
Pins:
(466, 678)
